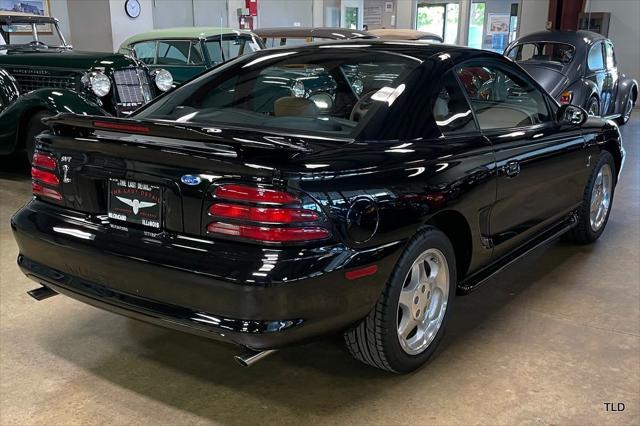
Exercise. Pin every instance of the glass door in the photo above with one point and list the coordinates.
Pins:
(476, 25)
(439, 18)
(352, 14)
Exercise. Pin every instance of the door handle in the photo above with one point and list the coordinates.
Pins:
(512, 168)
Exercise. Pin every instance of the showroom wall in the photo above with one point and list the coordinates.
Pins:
(624, 31)
(534, 15)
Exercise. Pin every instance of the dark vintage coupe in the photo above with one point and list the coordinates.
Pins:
(578, 68)
(204, 213)
(111, 83)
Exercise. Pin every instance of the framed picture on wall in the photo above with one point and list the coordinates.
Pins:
(498, 23)
(33, 7)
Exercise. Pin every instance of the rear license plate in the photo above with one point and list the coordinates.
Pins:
(135, 202)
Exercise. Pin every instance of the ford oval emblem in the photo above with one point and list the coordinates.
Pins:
(190, 180)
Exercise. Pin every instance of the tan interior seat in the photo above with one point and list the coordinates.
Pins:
(290, 106)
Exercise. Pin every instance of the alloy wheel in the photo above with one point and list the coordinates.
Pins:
(601, 198)
(423, 301)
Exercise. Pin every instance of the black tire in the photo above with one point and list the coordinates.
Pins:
(33, 129)
(375, 341)
(593, 106)
(583, 232)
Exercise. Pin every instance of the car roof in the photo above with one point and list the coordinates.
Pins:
(322, 32)
(575, 38)
(183, 33)
(404, 34)
(414, 48)
(7, 17)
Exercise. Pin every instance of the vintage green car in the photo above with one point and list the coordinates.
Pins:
(185, 52)
(113, 84)
(28, 110)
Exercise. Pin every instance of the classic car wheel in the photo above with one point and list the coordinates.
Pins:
(33, 129)
(593, 107)
(408, 322)
(596, 204)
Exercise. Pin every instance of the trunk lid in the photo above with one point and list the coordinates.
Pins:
(106, 165)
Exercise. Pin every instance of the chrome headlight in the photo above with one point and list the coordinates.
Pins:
(98, 82)
(298, 89)
(163, 79)
(357, 86)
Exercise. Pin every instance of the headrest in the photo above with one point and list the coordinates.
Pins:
(290, 106)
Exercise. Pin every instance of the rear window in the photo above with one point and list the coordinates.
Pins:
(328, 92)
(542, 51)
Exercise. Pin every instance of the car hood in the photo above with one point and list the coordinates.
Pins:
(550, 77)
(65, 59)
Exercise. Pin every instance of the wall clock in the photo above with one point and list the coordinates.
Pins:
(133, 8)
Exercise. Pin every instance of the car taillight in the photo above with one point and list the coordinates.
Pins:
(44, 161)
(254, 194)
(43, 191)
(566, 97)
(267, 234)
(263, 215)
(42, 180)
(44, 177)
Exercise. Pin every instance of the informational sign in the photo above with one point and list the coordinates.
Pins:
(498, 23)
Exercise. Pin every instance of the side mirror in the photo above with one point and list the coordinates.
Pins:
(572, 115)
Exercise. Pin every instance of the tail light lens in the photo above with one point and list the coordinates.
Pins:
(44, 161)
(43, 180)
(267, 234)
(254, 194)
(43, 191)
(44, 177)
(566, 97)
(263, 215)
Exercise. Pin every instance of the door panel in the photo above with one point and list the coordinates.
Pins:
(541, 165)
(547, 182)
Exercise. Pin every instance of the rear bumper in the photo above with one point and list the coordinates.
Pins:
(261, 298)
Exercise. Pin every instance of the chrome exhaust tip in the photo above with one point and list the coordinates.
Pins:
(250, 357)
(42, 293)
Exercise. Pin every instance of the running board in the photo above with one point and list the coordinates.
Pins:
(478, 278)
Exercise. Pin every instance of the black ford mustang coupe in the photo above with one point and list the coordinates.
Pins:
(269, 228)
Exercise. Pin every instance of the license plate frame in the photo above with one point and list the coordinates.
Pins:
(135, 202)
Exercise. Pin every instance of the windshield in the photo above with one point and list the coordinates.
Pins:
(31, 36)
(542, 51)
(227, 47)
(328, 92)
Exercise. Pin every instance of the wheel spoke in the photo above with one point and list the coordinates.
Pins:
(434, 270)
(406, 298)
(407, 325)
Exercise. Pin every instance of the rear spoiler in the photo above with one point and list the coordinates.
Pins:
(65, 123)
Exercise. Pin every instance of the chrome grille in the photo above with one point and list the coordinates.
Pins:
(133, 87)
(28, 82)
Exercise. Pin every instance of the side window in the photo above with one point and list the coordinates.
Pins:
(595, 60)
(180, 52)
(146, 52)
(451, 110)
(502, 98)
(609, 55)
(214, 49)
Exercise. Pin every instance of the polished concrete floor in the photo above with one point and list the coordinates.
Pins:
(548, 341)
